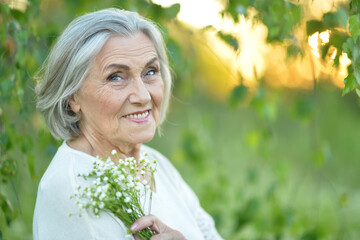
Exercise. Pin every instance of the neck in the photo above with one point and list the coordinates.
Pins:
(95, 146)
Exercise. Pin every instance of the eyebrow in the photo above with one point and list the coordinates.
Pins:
(127, 68)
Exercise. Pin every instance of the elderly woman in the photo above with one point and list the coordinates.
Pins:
(106, 85)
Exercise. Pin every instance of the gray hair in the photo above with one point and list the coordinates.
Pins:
(71, 57)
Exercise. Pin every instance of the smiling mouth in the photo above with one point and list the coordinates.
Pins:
(138, 115)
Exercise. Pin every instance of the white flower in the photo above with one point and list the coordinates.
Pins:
(114, 186)
(129, 235)
(102, 196)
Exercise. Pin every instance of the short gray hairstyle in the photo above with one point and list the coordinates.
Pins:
(71, 58)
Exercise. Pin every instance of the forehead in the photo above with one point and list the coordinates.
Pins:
(137, 47)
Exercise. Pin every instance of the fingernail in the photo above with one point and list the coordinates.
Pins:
(133, 227)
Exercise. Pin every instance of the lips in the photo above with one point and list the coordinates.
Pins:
(138, 115)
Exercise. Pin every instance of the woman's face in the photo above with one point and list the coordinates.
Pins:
(120, 99)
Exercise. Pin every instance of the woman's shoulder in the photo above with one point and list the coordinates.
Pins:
(154, 154)
(64, 167)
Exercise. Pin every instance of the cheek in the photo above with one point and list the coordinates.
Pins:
(158, 95)
(103, 102)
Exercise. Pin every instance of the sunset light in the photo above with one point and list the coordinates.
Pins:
(257, 58)
(199, 13)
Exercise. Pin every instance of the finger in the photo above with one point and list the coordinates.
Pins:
(149, 221)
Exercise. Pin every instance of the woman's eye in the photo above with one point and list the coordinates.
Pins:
(114, 77)
(152, 72)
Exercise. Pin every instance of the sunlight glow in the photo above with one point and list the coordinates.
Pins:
(318, 39)
(250, 60)
(255, 58)
(324, 36)
(199, 13)
(314, 44)
(20, 5)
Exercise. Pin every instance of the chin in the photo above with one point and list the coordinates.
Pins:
(142, 137)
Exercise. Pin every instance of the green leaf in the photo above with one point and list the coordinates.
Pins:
(324, 50)
(354, 26)
(172, 11)
(237, 95)
(350, 84)
(343, 17)
(335, 19)
(27, 144)
(4, 9)
(31, 165)
(356, 67)
(348, 47)
(294, 50)
(5, 141)
(314, 26)
(7, 209)
(337, 39)
(234, 8)
(310, 235)
(229, 39)
(247, 213)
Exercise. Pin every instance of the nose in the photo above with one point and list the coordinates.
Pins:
(139, 92)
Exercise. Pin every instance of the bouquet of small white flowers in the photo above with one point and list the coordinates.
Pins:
(118, 188)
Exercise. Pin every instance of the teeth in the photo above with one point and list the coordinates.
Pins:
(137, 116)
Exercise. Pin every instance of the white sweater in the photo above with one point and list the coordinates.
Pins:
(174, 203)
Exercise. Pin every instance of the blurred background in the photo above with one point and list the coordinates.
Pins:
(263, 121)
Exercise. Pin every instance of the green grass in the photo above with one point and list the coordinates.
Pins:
(298, 181)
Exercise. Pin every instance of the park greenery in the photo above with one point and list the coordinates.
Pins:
(266, 161)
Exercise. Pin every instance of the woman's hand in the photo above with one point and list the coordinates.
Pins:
(163, 232)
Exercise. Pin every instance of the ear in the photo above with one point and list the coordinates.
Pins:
(75, 106)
